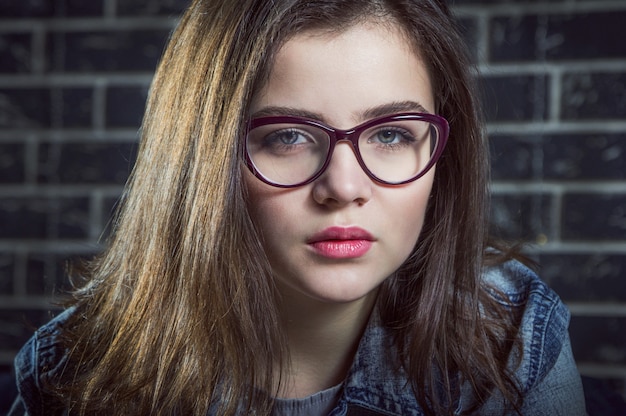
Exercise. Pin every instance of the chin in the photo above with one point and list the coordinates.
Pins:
(344, 296)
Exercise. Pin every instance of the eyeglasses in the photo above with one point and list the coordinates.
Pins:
(287, 152)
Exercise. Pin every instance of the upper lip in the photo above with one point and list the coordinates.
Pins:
(341, 233)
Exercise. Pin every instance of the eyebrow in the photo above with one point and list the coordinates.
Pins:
(286, 111)
(367, 114)
(392, 108)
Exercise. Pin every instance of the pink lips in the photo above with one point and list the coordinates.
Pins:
(341, 242)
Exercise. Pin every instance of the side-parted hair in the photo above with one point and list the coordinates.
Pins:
(178, 315)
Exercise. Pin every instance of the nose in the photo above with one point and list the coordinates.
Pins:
(344, 181)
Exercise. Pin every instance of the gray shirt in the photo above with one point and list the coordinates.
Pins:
(318, 404)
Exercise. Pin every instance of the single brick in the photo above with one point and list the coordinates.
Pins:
(514, 157)
(568, 156)
(48, 273)
(27, 8)
(515, 98)
(23, 218)
(51, 8)
(125, 106)
(469, 29)
(15, 53)
(557, 37)
(512, 38)
(44, 218)
(599, 339)
(78, 8)
(105, 51)
(12, 163)
(520, 217)
(586, 277)
(585, 157)
(152, 7)
(25, 108)
(72, 218)
(93, 163)
(593, 96)
(40, 274)
(77, 107)
(7, 270)
(593, 217)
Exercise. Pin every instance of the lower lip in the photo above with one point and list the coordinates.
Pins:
(342, 249)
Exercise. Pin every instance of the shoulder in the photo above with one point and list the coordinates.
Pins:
(544, 319)
(40, 362)
(43, 353)
(519, 283)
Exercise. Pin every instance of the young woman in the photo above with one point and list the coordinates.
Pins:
(304, 233)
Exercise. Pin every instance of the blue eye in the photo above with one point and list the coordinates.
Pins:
(288, 137)
(290, 140)
(391, 136)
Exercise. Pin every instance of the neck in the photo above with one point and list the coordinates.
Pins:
(323, 339)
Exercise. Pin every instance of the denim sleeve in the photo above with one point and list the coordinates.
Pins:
(26, 378)
(560, 392)
(40, 360)
(551, 382)
(547, 373)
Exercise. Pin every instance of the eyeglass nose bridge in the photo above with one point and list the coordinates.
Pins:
(352, 137)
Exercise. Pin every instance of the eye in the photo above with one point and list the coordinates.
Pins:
(289, 136)
(391, 136)
(287, 140)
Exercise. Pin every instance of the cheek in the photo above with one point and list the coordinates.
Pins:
(408, 226)
(270, 208)
(410, 210)
(259, 209)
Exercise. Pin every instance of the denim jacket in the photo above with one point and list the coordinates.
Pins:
(548, 376)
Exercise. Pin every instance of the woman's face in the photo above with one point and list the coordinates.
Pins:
(338, 238)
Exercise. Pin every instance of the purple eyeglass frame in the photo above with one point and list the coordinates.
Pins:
(352, 135)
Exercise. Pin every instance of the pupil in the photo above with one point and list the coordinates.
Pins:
(289, 137)
(387, 135)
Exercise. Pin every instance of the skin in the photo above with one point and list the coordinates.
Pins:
(343, 79)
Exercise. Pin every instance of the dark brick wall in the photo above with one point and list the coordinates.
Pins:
(74, 76)
(554, 83)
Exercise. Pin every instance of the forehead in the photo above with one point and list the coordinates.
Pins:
(334, 72)
(357, 33)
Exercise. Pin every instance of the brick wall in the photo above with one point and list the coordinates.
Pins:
(554, 75)
(73, 81)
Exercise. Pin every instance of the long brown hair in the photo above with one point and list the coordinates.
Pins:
(180, 309)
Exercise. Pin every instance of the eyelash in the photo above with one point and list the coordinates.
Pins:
(406, 137)
(274, 139)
